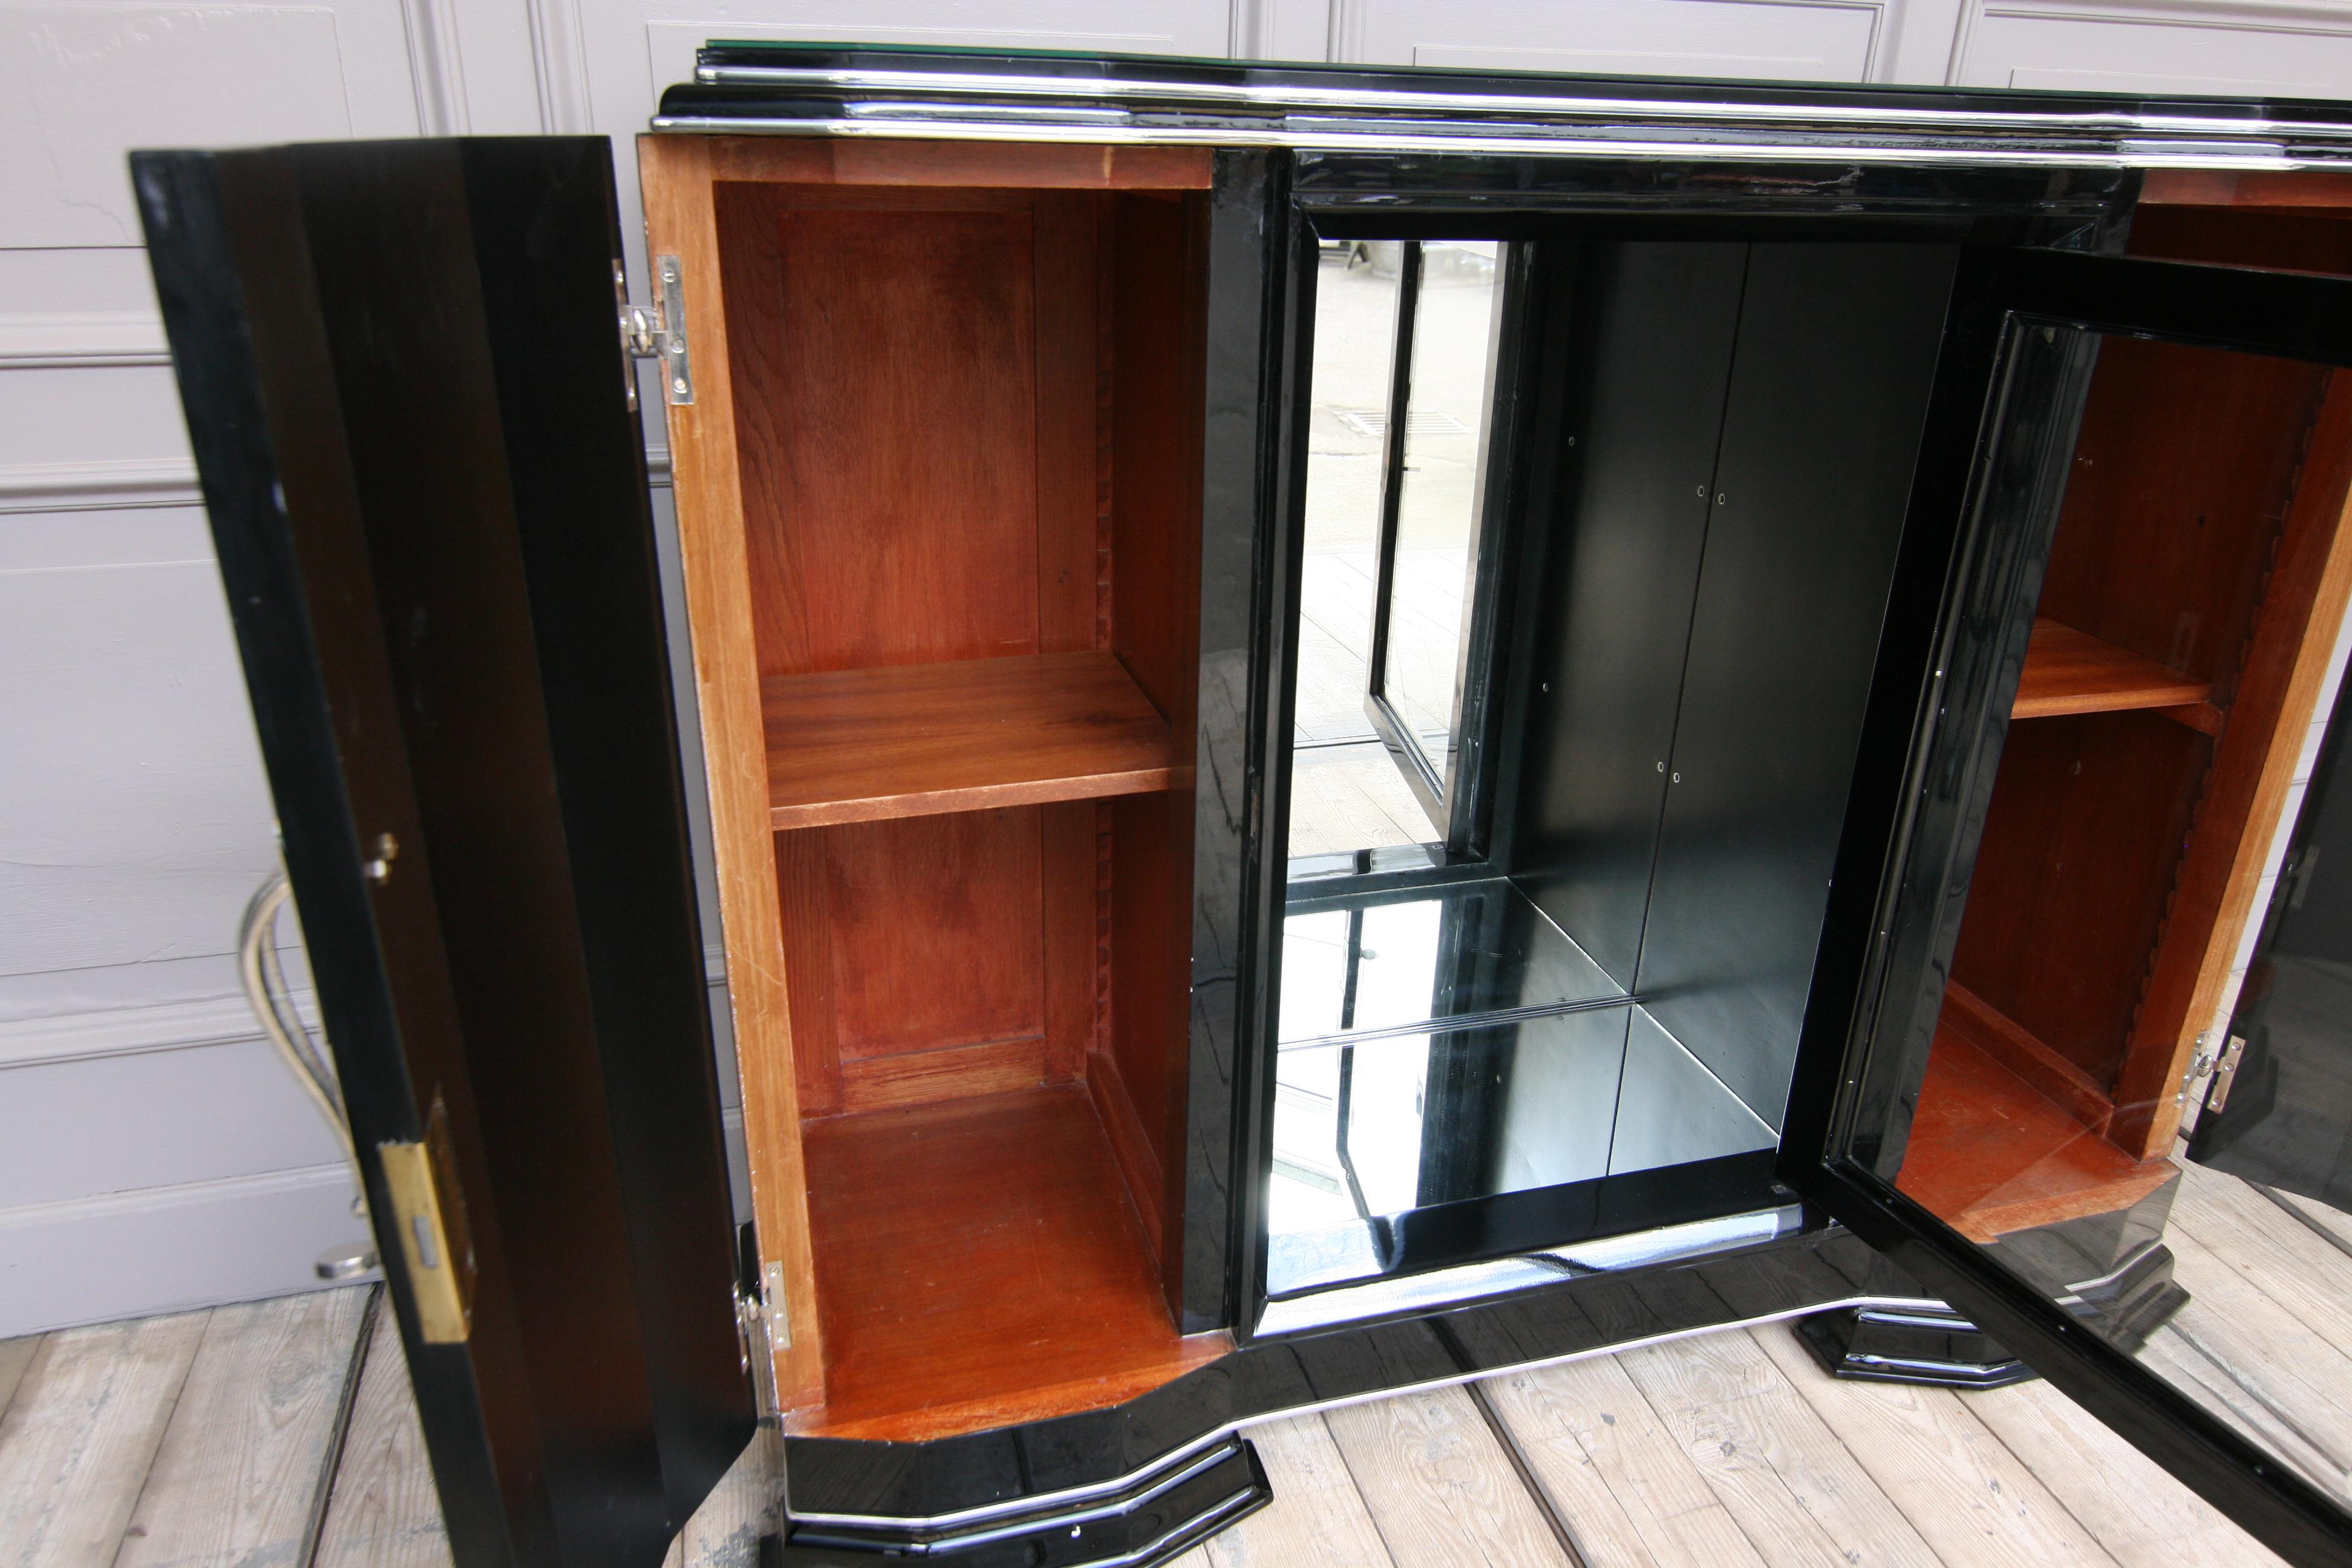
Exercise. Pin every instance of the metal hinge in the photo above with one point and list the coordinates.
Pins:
(2225, 1072)
(763, 1326)
(657, 331)
(434, 1242)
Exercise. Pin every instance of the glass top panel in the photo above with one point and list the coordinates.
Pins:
(1389, 960)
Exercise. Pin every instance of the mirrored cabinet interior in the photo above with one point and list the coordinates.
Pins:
(1347, 747)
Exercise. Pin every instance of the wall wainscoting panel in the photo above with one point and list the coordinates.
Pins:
(169, 1249)
(2286, 50)
(1820, 40)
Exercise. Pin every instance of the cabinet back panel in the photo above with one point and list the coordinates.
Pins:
(916, 441)
(2182, 474)
(1654, 327)
(2080, 846)
(937, 931)
(1829, 389)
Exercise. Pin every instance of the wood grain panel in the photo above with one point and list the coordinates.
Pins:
(2307, 188)
(2067, 671)
(911, 162)
(946, 1073)
(2012, 1044)
(1157, 255)
(1065, 264)
(905, 424)
(805, 888)
(855, 745)
(1990, 1156)
(2182, 473)
(1150, 994)
(707, 479)
(980, 1264)
(2278, 686)
(1134, 1148)
(2080, 846)
(1071, 868)
(937, 931)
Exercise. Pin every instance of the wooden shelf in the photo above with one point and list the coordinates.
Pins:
(978, 1264)
(2067, 671)
(912, 740)
(1991, 1154)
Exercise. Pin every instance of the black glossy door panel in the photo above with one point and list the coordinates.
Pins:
(407, 401)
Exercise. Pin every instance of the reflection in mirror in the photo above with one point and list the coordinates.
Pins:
(1368, 1131)
(1387, 962)
(2066, 1040)
(1593, 976)
(1426, 568)
(1346, 794)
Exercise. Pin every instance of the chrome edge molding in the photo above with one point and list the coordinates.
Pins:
(966, 105)
(1563, 141)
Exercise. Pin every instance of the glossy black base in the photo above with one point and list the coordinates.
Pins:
(1157, 1516)
(859, 1485)
(1933, 1345)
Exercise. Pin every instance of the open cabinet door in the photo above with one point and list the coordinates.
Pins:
(409, 405)
(1956, 1105)
(2275, 1111)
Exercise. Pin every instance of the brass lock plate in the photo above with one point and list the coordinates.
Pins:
(435, 1241)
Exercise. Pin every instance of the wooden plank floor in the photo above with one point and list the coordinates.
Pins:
(282, 1433)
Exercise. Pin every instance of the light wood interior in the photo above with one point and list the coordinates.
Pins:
(939, 507)
(2199, 572)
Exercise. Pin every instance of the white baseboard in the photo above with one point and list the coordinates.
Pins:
(169, 1249)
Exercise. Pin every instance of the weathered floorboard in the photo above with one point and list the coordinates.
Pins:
(1318, 1515)
(1967, 1496)
(2143, 1517)
(78, 1439)
(382, 1512)
(1439, 1486)
(15, 1356)
(234, 1477)
(1588, 1414)
(1792, 1485)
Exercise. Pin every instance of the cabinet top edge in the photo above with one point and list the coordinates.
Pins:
(856, 92)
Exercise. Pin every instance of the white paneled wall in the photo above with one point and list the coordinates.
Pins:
(151, 1154)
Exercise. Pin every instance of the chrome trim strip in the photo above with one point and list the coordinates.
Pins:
(1592, 143)
(1491, 1019)
(1344, 1301)
(985, 1536)
(1268, 97)
(1184, 1451)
